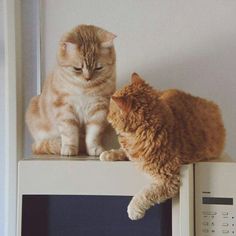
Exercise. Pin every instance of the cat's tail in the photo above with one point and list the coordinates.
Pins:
(47, 146)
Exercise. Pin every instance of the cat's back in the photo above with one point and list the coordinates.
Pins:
(187, 108)
(183, 102)
(198, 124)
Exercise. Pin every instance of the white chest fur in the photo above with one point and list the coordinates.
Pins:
(83, 105)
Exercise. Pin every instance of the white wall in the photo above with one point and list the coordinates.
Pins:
(186, 44)
(2, 122)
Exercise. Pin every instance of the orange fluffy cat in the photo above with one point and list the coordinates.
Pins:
(75, 96)
(160, 131)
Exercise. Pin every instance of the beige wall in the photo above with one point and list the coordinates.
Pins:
(184, 44)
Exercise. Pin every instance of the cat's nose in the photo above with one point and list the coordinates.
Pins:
(88, 75)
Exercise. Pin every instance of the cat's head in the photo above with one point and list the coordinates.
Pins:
(87, 53)
(132, 106)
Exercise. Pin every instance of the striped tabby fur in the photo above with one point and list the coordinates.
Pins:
(72, 108)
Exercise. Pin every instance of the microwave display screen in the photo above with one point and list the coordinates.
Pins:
(217, 200)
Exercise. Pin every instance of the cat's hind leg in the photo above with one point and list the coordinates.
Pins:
(114, 155)
(47, 146)
(151, 195)
(41, 130)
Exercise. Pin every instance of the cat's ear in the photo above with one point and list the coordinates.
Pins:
(68, 47)
(65, 49)
(136, 79)
(124, 103)
(106, 38)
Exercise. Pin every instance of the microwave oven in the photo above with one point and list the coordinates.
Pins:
(207, 201)
(83, 196)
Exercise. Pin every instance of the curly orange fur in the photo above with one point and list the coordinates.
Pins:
(161, 131)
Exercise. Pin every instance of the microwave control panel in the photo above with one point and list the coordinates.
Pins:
(215, 196)
(217, 222)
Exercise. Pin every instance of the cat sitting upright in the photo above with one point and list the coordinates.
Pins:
(75, 96)
(160, 131)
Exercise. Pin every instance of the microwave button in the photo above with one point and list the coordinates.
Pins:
(205, 223)
(209, 213)
(225, 224)
(225, 231)
(212, 213)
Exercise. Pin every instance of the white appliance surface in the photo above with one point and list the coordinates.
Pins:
(54, 175)
(215, 199)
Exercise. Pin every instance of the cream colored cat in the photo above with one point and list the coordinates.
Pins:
(75, 96)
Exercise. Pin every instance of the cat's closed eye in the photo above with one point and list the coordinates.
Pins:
(77, 69)
(99, 68)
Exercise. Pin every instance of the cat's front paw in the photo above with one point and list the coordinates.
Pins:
(134, 211)
(113, 155)
(95, 150)
(69, 150)
(106, 156)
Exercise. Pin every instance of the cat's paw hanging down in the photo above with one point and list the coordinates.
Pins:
(160, 131)
(135, 210)
(76, 95)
